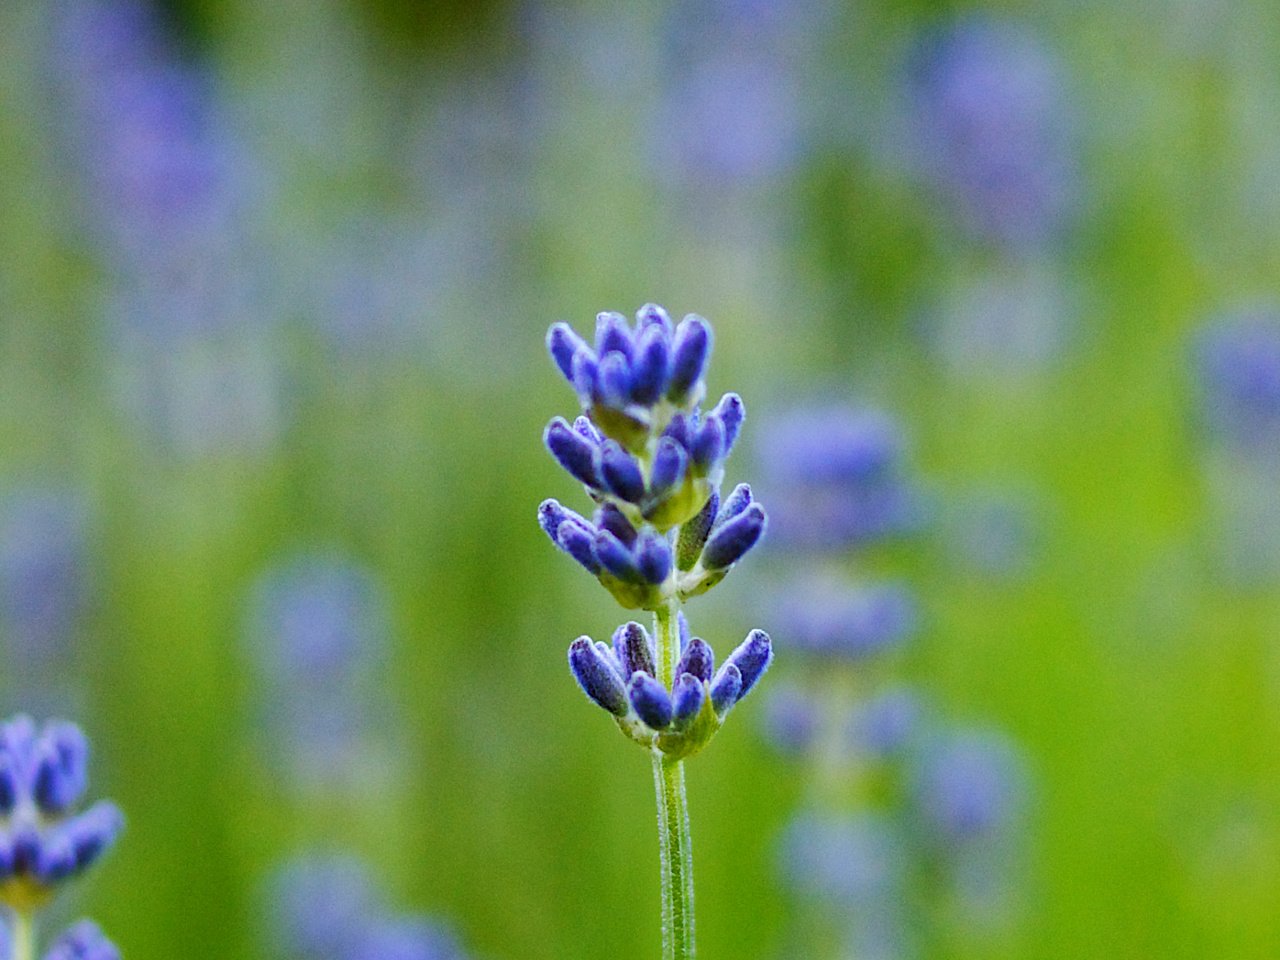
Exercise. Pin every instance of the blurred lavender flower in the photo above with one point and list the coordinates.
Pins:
(318, 631)
(995, 532)
(170, 192)
(1238, 371)
(44, 585)
(83, 941)
(994, 131)
(792, 718)
(44, 841)
(889, 723)
(327, 907)
(969, 785)
(739, 108)
(826, 617)
(836, 478)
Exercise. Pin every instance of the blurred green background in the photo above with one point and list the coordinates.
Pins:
(327, 335)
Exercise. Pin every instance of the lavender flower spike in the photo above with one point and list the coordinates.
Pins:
(83, 941)
(653, 461)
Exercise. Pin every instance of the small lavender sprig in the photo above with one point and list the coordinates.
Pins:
(44, 841)
(653, 461)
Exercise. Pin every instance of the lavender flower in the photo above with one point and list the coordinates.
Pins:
(653, 460)
(828, 618)
(327, 907)
(44, 585)
(836, 477)
(83, 941)
(994, 130)
(847, 861)
(968, 785)
(1238, 369)
(887, 724)
(44, 841)
(318, 631)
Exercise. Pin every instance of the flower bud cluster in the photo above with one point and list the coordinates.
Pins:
(653, 461)
(623, 678)
(44, 842)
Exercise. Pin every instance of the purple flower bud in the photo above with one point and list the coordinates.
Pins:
(615, 379)
(61, 768)
(406, 938)
(563, 345)
(679, 429)
(609, 517)
(653, 557)
(697, 659)
(584, 428)
(652, 366)
(726, 688)
(970, 784)
(731, 412)
(572, 451)
(731, 540)
(669, 464)
(650, 700)
(586, 377)
(652, 315)
(83, 941)
(686, 700)
(93, 832)
(578, 541)
(634, 649)
(620, 471)
(752, 658)
(690, 352)
(737, 501)
(613, 335)
(791, 719)
(596, 677)
(709, 445)
(11, 788)
(883, 726)
(615, 557)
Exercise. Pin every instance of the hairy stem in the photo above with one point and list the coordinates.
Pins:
(674, 839)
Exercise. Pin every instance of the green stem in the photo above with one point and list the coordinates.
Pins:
(675, 843)
(22, 934)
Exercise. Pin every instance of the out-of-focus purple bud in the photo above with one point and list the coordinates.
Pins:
(650, 700)
(726, 688)
(686, 700)
(790, 718)
(578, 542)
(731, 540)
(651, 366)
(615, 379)
(609, 517)
(621, 472)
(1238, 361)
(572, 451)
(633, 648)
(653, 557)
(407, 938)
(690, 352)
(830, 618)
(596, 677)
(83, 941)
(563, 345)
(732, 412)
(613, 336)
(11, 786)
(653, 315)
(709, 444)
(61, 768)
(697, 659)
(752, 658)
(321, 904)
(883, 726)
(693, 533)
(669, 464)
(969, 784)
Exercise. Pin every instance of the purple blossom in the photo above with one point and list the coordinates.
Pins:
(994, 130)
(969, 785)
(1238, 372)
